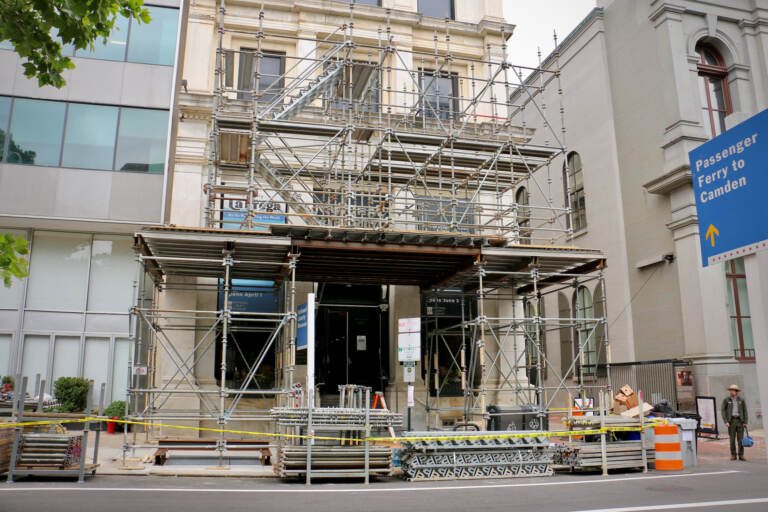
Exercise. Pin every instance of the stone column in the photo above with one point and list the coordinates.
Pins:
(757, 290)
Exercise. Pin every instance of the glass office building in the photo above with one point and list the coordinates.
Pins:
(81, 169)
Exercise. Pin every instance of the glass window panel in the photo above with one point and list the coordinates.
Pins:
(58, 271)
(731, 300)
(34, 359)
(245, 73)
(154, 42)
(113, 48)
(270, 76)
(113, 269)
(96, 363)
(746, 331)
(741, 285)
(735, 333)
(6, 45)
(5, 353)
(36, 132)
(436, 8)
(66, 356)
(120, 371)
(738, 266)
(141, 140)
(90, 137)
(11, 296)
(5, 118)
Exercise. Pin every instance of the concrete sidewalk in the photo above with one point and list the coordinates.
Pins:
(717, 451)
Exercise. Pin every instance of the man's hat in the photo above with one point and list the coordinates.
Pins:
(734, 387)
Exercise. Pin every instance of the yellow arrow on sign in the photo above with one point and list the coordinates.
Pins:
(712, 232)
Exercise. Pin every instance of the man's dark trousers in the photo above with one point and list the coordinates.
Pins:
(736, 433)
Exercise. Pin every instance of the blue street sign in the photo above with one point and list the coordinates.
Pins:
(302, 322)
(730, 180)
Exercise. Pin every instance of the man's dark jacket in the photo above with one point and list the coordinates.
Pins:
(727, 409)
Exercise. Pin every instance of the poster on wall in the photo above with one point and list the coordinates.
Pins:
(706, 408)
(685, 389)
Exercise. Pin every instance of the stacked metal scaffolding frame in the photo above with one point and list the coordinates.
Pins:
(336, 169)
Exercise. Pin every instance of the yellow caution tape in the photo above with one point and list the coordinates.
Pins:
(455, 437)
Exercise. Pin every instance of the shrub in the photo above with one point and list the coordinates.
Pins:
(6, 380)
(115, 410)
(72, 393)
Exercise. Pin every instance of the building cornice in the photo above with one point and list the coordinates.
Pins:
(665, 12)
(485, 27)
(669, 181)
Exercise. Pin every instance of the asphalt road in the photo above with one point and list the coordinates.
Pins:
(737, 487)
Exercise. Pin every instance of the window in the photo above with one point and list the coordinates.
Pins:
(5, 118)
(131, 41)
(33, 141)
(440, 94)
(90, 137)
(738, 310)
(154, 42)
(436, 214)
(58, 271)
(523, 215)
(436, 8)
(713, 89)
(112, 267)
(566, 334)
(271, 70)
(5, 353)
(142, 140)
(573, 181)
(532, 357)
(114, 47)
(585, 330)
(364, 88)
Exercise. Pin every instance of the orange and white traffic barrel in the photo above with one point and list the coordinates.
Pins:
(669, 453)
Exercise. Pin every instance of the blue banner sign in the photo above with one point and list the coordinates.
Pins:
(730, 180)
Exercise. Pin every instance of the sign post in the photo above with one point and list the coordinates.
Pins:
(408, 352)
(305, 340)
(730, 182)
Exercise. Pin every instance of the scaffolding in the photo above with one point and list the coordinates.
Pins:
(353, 158)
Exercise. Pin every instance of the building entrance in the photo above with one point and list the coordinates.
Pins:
(352, 338)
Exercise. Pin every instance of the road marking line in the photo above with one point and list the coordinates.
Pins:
(367, 489)
(672, 506)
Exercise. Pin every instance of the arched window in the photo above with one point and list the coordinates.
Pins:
(566, 334)
(523, 215)
(600, 335)
(713, 89)
(532, 356)
(584, 337)
(573, 182)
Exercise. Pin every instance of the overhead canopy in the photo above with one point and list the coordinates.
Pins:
(384, 258)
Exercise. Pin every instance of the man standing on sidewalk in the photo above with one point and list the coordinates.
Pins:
(735, 415)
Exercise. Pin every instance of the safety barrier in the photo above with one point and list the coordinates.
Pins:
(669, 454)
(452, 437)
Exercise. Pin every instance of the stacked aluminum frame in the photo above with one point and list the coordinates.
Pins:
(474, 456)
